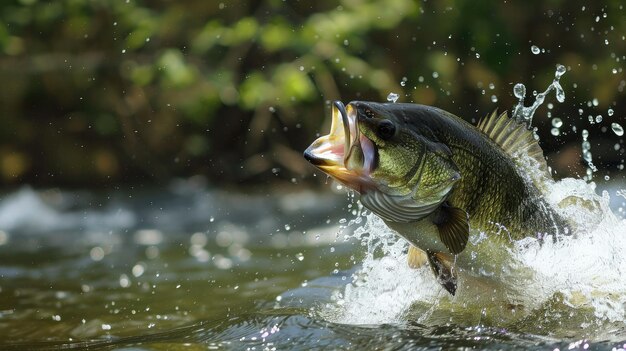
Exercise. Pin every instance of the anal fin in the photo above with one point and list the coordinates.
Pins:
(416, 257)
(443, 270)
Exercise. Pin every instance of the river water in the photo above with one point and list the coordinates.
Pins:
(191, 268)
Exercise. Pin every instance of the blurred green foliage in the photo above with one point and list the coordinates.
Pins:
(100, 92)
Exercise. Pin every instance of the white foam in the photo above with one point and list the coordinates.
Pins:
(589, 269)
(384, 288)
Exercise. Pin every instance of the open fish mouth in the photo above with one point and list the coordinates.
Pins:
(345, 154)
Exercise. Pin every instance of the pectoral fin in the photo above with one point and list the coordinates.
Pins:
(443, 270)
(453, 226)
(416, 257)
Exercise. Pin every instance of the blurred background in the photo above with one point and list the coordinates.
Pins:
(102, 93)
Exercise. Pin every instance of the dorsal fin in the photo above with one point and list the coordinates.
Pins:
(514, 138)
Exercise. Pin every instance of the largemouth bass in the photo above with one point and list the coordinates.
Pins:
(432, 177)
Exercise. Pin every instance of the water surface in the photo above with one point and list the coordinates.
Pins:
(192, 269)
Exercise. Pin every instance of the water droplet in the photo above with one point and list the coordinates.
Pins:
(535, 50)
(272, 109)
(494, 98)
(609, 112)
(97, 253)
(300, 256)
(346, 42)
(598, 118)
(595, 102)
(617, 129)
(124, 281)
(435, 75)
(392, 97)
(519, 90)
(560, 70)
(606, 177)
(557, 122)
(477, 55)
(585, 134)
(555, 131)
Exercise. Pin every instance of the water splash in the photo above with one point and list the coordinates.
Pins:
(523, 113)
(372, 297)
(587, 156)
(579, 276)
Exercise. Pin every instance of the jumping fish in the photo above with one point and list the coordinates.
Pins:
(432, 177)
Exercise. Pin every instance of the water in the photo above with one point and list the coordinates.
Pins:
(194, 268)
(79, 266)
(535, 50)
(561, 289)
(617, 129)
(526, 113)
(392, 97)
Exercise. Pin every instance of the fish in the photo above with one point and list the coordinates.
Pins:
(434, 178)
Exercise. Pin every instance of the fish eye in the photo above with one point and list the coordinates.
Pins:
(386, 129)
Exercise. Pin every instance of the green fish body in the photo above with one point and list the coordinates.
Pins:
(434, 178)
